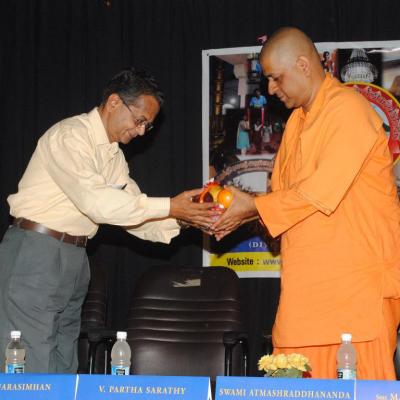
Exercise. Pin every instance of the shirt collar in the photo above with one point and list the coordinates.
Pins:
(99, 132)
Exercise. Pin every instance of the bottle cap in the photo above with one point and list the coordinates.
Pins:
(15, 334)
(346, 337)
(121, 335)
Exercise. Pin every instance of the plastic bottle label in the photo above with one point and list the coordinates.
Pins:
(346, 373)
(15, 368)
(119, 370)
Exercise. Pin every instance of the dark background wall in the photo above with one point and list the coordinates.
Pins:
(55, 57)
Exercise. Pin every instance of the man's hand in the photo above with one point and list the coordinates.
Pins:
(241, 210)
(198, 215)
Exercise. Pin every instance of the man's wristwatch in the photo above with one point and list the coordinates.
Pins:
(182, 224)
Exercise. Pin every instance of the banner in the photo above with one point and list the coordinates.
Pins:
(37, 386)
(243, 128)
(237, 388)
(378, 390)
(89, 387)
(145, 387)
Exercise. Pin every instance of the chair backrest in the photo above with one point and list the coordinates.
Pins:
(177, 319)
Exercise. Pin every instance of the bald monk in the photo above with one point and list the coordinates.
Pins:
(335, 205)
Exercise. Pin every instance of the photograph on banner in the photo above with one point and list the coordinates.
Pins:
(375, 73)
(243, 127)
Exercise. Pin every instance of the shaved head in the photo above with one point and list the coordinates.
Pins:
(287, 44)
(293, 67)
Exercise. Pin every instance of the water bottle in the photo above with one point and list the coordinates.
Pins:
(120, 356)
(346, 359)
(15, 354)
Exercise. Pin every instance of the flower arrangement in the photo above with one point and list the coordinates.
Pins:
(285, 365)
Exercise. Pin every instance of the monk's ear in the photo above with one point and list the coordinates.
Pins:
(303, 64)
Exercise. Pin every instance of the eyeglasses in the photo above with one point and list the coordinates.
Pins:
(139, 122)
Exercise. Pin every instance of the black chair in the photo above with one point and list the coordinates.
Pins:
(187, 321)
(93, 349)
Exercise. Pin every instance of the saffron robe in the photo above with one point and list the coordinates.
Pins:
(334, 201)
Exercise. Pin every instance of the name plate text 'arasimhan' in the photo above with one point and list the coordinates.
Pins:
(37, 386)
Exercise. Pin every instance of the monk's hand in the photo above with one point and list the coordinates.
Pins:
(241, 210)
(198, 215)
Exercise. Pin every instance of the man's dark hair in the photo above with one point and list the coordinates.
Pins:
(131, 83)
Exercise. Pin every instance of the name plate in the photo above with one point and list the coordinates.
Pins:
(283, 388)
(37, 386)
(378, 390)
(106, 387)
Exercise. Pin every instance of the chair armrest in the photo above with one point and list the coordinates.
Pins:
(97, 334)
(232, 338)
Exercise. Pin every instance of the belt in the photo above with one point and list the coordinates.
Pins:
(23, 223)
